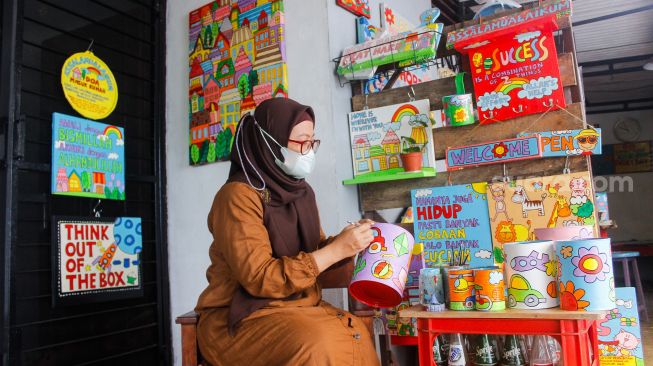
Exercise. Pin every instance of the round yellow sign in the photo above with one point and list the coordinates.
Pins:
(89, 85)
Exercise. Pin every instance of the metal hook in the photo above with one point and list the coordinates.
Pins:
(506, 179)
(411, 94)
(96, 210)
(90, 45)
(521, 109)
(365, 106)
(449, 182)
(566, 169)
(550, 104)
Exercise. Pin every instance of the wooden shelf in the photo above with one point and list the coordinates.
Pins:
(556, 314)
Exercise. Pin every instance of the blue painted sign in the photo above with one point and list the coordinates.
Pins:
(494, 152)
(620, 339)
(570, 142)
(88, 158)
(453, 224)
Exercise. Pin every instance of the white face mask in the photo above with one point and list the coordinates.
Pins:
(294, 164)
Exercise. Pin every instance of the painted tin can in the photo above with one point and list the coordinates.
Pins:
(381, 271)
(531, 270)
(461, 289)
(431, 288)
(489, 289)
(586, 278)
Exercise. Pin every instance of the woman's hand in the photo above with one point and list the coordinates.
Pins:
(351, 240)
(354, 238)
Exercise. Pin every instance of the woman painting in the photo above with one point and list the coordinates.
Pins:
(263, 303)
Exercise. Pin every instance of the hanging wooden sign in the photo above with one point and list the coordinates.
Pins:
(557, 9)
(515, 69)
(88, 158)
(570, 142)
(96, 259)
(89, 85)
(493, 152)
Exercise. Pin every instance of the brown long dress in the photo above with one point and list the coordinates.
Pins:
(303, 331)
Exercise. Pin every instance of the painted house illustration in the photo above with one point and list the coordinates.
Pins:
(225, 75)
(229, 108)
(270, 66)
(392, 148)
(99, 182)
(74, 183)
(362, 160)
(211, 92)
(62, 180)
(262, 92)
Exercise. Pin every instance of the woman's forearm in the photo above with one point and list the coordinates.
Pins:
(327, 256)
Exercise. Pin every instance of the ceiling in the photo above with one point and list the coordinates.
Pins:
(614, 39)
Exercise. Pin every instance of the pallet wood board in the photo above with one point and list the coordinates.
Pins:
(434, 90)
(384, 195)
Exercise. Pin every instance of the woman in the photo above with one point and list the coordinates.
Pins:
(263, 302)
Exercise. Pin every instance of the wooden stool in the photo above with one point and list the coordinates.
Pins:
(190, 352)
(626, 258)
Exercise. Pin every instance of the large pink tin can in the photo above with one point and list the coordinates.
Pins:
(382, 269)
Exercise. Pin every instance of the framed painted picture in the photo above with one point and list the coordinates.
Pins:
(88, 158)
(391, 142)
(236, 60)
(96, 259)
(633, 157)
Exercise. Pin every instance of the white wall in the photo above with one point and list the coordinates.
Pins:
(317, 30)
(631, 210)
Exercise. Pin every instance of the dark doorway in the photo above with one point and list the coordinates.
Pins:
(37, 36)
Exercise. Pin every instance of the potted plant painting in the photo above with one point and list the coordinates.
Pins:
(411, 154)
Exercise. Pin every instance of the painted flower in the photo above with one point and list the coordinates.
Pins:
(389, 16)
(500, 150)
(460, 115)
(591, 264)
(566, 252)
(570, 298)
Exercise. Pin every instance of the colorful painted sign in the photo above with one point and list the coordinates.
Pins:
(586, 274)
(493, 152)
(515, 71)
(570, 142)
(633, 157)
(518, 207)
(89, 85)
(236, 59)
(620, 336)
(531, 272)
(357, 7)
(380, 136)
(381, 272)
(96, 259)
(488, 28)
(358, 62)
(453, 225)
(88, 158)
(365, 31)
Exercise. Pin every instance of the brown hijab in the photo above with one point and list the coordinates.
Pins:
(290, 211)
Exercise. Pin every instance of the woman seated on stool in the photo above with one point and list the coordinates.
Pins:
(263, 303)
